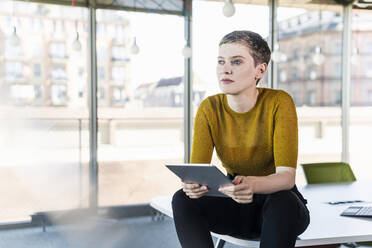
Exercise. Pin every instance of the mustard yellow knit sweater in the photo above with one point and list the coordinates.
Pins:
(250, 143)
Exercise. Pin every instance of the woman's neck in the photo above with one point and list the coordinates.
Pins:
(243, 102)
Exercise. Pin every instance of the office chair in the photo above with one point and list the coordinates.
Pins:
(331, 172)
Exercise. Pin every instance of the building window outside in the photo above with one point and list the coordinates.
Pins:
(311, 97)
(37, 70)
(283, 76)
(11, 51)
(58, 50)
(58, 72)
(118, 95)
(101, 72)
(81, 71)
(312, 73)
(369, 97)
(101, 93)
(369, 48)
(295, 74)
(101, 53)
(59, 94)
(296, 53)
(337, 47)
(118, 73)
(337, 72)
(118, 53)
(25, 93)
(335, 98)
(13, 70)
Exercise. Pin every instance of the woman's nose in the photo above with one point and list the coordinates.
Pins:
(227, 69)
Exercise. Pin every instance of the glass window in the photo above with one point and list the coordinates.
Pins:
(118, 96)
(37, 70)
(118, 53)
(59, 94)
(337, 72)
(23, 92)
(317, 94)
(101, 73)
(311, 98)
(101, 53)
(118, 73)
(58, 50)
(44, 158)
(136, 134)
(361, 94)
(282, 76)
(312, 73)
(369, 97)
(13, 70)
(58, 72)
(12, 51)
(101, 93)
(295, 74)
(369, 47)
(337, 47)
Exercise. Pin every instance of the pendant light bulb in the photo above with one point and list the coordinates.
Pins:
(14, 39)
(76, 46)
(318, 57)
(228, 8)
(187, 52)
(134, 49)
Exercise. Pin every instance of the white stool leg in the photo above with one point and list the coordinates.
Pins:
(220, 243)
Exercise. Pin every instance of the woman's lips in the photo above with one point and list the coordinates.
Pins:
(227, 81)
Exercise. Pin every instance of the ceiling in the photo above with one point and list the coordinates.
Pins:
(175, 7)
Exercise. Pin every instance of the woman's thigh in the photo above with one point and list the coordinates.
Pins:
(223, 215)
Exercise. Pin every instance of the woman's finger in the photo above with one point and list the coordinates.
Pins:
(196, 190)
(196, 195)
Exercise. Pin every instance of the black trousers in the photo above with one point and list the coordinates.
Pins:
(277, 218)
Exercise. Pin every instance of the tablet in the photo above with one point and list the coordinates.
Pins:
(203, 174)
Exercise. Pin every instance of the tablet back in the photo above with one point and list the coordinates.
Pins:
(203, 174)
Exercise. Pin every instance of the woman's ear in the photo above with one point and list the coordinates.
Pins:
(262, 68)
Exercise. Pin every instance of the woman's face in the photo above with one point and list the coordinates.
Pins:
(236, 71)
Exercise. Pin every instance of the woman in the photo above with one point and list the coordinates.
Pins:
(254, 132)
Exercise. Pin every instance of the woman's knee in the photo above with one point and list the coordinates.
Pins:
(180, 199)
(287, 205)
(282, 202)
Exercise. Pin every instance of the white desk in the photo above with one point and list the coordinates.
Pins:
(326, 224)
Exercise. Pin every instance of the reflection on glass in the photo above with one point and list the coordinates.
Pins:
(140, 106)
(312, 39)
(361, 95)
(43, 121)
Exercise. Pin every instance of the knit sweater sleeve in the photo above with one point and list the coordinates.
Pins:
(202, 145)
(285, 143)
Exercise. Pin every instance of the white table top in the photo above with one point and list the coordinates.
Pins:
(326, 224)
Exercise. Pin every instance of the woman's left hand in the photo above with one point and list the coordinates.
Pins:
(242, 190)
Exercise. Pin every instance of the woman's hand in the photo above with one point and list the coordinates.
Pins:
(194, 190)
(242, 190)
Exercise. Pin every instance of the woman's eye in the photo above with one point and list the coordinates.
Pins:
(236, 62)
(221, 62)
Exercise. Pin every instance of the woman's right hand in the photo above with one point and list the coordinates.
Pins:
(194, 190)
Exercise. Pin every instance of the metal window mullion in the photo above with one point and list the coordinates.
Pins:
(188, 112)
(346, 80)
(273, 38)
(93, 124)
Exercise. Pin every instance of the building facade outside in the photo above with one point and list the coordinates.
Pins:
(314, 84)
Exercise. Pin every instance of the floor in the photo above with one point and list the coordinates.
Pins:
(98, 233)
